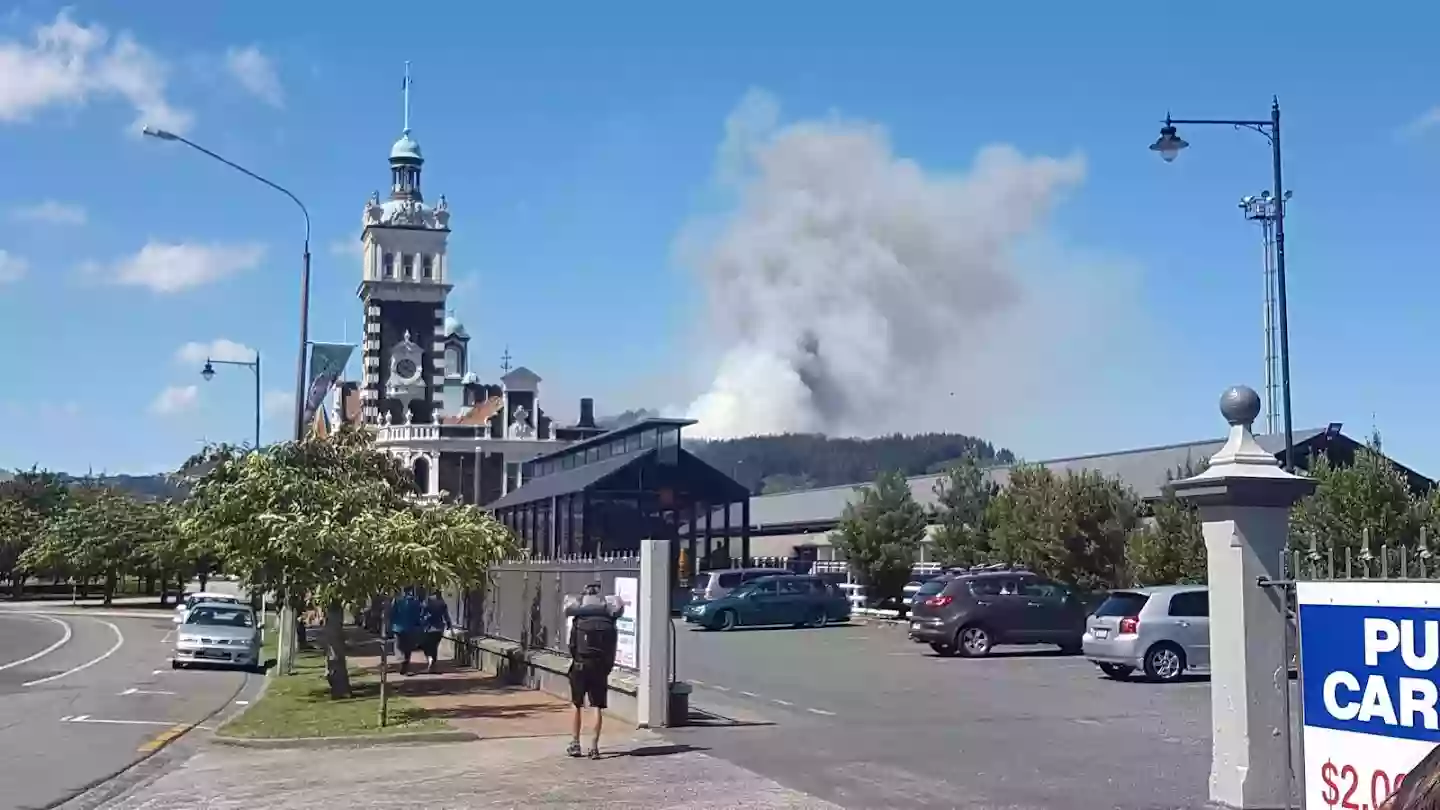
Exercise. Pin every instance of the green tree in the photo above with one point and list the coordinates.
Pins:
(27, 501)
(334, 520)
(1372, 494)
(1072, 528)
(962, 528)
(94, 535)
(1171, 547)
(880, 533)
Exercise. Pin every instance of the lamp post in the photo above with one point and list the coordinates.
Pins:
(254, 365)
(286, 645)
(1169, 145)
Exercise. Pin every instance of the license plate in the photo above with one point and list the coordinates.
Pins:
(1102, 632)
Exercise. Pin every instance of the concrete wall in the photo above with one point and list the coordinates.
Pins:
(540, 669)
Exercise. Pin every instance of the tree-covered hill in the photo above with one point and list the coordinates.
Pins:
(770, 464)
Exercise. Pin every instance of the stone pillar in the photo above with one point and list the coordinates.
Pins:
(652, 618)
(432, 464)
(1244, 499)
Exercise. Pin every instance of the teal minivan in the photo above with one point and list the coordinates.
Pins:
(779, 599)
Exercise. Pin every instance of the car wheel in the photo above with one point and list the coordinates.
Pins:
(943, 650)
(176, 664)
(1117, 671)
(817, 619)
(974, 641)
(726, 620)
(1164, 662)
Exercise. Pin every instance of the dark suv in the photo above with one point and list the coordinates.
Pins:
(978, 610)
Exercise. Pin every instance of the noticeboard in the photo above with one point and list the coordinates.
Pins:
(1368, 662)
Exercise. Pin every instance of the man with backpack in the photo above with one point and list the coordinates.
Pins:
(593, 637)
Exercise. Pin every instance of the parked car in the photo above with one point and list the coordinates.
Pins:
(778, 599)
(223, 633)
(1163, 631)
(189, 600)
(975, 611)
(928, 588)
(711, 585)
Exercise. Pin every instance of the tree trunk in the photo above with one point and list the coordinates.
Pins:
(110, 582)
(149, 584)
(337, 669)
(164, 586)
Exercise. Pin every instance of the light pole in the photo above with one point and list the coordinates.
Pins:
(1169, 145)
(254, 365)
(301, 384)
(286, 645)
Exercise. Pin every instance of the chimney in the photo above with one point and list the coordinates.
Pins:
(587, 412)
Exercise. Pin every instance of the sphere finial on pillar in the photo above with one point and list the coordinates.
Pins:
(1240, 405)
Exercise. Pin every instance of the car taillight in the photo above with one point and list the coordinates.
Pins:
(939, 601)
(1130, 625)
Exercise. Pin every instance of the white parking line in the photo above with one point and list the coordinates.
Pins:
(820, 712)
(119, 642)
(52, 648)
(85, 718)
(781, 702)
(750, 694)
(719, 688)
(137, 691)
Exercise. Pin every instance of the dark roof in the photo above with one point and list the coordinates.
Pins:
(1145, 471)
(564, 482)
(638, 427)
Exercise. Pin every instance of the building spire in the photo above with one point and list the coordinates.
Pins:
(406, 88)
(505, 360)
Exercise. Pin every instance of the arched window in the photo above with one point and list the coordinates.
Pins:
(387, 262)
(427, 267)
(422, 476)
(452, 361)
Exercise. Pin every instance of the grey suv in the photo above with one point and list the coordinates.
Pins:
(975, 611)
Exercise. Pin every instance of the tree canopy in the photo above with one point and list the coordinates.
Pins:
(880, 534)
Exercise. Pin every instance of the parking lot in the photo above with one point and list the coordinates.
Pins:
(861, 716)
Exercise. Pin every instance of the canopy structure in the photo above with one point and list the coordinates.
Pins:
(606, 494)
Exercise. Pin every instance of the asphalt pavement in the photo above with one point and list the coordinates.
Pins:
(85, 693)
(862, 717)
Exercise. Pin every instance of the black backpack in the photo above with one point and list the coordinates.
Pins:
(593, 638)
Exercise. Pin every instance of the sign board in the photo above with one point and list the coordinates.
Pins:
(627, 650)
(1368, 664)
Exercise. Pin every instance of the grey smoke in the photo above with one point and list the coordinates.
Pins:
(852, 292)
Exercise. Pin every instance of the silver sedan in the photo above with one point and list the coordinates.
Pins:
(217, 633)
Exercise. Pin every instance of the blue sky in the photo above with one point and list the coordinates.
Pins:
(577, 142)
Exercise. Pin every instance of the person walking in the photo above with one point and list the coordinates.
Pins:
(593, 638)
(434, 621)
(405, 626)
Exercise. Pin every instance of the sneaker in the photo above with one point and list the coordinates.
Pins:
(573, 749)
(594, 753)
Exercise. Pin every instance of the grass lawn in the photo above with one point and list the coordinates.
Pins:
(299, 705)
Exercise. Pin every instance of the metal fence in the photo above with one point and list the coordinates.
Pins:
(523, 600)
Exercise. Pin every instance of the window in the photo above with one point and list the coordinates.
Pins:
(407, 266)
(729, 580)
(647, 440)
(1193, 604)
(221, 617)
(669, 437)
(765, 587)
(994, 586)
(1123, 603)
(794, 586)
(387, 262)
(427, 267)
(452, 361)
(1039, 589)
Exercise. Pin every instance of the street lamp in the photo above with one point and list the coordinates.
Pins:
(208, 372)
(1169, 146)
(301, 384)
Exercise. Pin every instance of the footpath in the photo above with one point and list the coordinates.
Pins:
(515, 758)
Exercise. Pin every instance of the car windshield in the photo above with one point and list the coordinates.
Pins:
(195, 600)
(1123, 603)
(221, 617)
(931, 587)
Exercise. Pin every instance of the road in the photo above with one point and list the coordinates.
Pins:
(84, 693)
(862, 717)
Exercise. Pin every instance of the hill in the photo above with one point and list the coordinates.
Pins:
(141, 486)
(771, 464)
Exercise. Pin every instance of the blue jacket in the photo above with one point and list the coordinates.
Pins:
(405, 615)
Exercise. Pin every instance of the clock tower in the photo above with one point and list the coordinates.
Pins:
(404, 286)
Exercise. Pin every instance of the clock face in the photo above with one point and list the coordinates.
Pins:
(406, 369)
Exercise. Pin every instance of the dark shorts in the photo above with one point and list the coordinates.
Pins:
(430, 643)
(589, 681)
(405, 641)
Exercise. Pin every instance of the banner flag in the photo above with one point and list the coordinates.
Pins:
(327, 363)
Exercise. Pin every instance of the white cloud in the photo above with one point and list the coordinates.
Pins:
(278, 403)
(194, 353)
(1426, 122)
(51, 212)
(352, 248)
(12, 267)
(175, 267)
(71, 64)
(256, 73)
(175, 399)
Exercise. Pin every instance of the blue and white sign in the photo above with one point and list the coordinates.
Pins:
(1369, 658)
(627, 651)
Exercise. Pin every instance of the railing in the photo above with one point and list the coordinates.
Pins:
(406, 433)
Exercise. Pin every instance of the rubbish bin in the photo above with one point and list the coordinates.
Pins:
(679, 709)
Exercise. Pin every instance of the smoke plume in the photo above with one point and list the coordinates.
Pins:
(852, 292)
